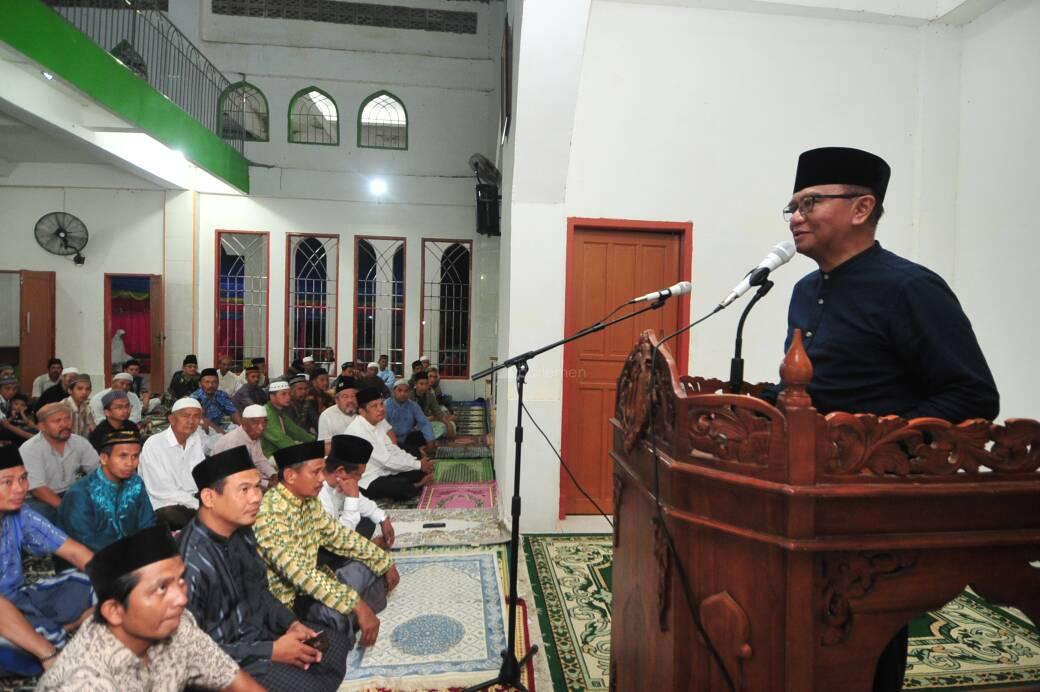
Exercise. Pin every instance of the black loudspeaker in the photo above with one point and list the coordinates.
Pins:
(488, 209)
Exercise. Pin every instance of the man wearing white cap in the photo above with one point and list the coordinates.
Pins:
(60, 390)
(121, 382)
(254, 420)
(281, 431)
(166, 463)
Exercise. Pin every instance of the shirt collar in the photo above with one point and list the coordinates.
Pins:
(856, 260)
(287, 495)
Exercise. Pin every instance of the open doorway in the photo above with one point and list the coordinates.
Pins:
(134, 326)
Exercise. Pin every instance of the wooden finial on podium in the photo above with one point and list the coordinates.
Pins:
(795, 374)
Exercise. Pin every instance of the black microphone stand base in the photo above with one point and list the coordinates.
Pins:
(509, 674)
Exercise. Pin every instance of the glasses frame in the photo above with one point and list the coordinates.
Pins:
(805, 204)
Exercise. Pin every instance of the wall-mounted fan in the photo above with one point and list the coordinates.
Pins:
(486, 171)
(62, 234)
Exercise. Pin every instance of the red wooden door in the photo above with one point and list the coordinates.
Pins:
(608, 264)
(37, 321)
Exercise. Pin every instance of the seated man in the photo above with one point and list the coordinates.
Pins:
(54, 394)
(186, 380)
(385, 373)
(35, 619)
(254, 420)
(341, 495)
(434, 375)
(250, 392)
(110, 502)
(292, 527)
(301, 408)
(411, 426)
(121, 382)
(217, 409)
(229, 383)
(116, 405)
(392, 472)
(319, 394)
(54, 457)
(78, 403)
(441, 421)
(132, 368)
(227, 585)
(260, 364)
(48, 379)
(166, 463)
(345, 370)
(281, 430)
(335, 419)
(140, 638)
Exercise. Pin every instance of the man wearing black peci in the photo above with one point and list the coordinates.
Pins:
(884, 335)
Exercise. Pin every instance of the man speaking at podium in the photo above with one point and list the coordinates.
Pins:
(884, 335)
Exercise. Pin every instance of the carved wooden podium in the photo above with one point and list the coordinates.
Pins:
(808, 540)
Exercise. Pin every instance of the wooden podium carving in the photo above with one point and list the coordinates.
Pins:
(807, 541)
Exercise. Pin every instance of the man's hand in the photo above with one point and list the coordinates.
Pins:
(388, 532)
(393, 578)
(303, 629)
(368, 623)
(426, 465)
(349, 487)
(290, 649)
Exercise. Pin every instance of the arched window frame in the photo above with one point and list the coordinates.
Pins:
(407, 121)
(436, 308)
(267, 110)
(289, 116)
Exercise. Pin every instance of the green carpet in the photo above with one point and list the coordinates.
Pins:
(463, 470)
(967, 645)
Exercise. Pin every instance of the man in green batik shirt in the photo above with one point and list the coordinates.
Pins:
(346, 585)
(186, 380)
(281, 431)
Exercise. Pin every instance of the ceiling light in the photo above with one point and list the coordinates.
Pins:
(47, 75)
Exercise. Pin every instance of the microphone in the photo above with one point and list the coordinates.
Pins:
(778, 256)
(679, 289)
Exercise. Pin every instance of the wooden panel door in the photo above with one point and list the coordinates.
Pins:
(37, 323)
(157, 374)
(608, 266)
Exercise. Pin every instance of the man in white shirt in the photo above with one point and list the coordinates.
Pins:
(261, 365)
(47, 379)
(336, 419)
(391, 473)
(341, 495)
(121, 382)
(229, 382)
(166, 463)
(254, 420)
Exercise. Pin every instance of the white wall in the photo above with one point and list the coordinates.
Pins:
(126, 236)
(998, 231)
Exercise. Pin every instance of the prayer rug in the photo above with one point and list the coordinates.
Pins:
(463, 470)
(443, 627)
(463, 452)
(460, 496)
(477, 440)
(398, 504)
(570, 576)
(461, 527)
(968, 644)
(971, 644)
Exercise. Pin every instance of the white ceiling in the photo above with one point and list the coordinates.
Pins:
(23, 143)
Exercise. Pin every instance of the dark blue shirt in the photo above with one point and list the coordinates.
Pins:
(887, 336)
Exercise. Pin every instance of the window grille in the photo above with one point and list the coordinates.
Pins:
(379, 300)
(241, 301)
(445, 328)
(312, 298)
(313, 118)
(243, 113)
(382, 122)
(356, 13)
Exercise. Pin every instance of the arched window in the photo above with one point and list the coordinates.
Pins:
(379, 300)
(243, 113)
(311, 299)
(382, 122)
(446, 305)
(313, 118)
(241, 300)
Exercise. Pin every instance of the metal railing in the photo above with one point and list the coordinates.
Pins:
(138, 34)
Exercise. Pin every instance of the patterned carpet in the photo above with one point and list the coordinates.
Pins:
(443, 627)
(463, 470)
(967, 645)
(482, 495)
(461, 527)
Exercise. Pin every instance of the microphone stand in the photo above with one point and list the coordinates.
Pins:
(509, 673)
(736, 364)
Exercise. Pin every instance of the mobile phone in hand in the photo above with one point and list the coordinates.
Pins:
(320, 641)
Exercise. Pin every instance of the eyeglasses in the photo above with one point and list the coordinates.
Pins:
(806, 204)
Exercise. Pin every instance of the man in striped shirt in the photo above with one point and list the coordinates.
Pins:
(345, 592)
